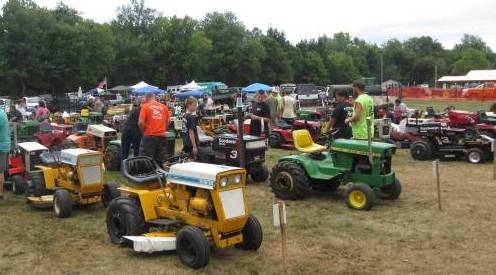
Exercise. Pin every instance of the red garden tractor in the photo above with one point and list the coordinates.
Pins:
(281, 134)
(22, 161)
(53, 135)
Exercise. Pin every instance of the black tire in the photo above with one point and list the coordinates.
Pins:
(62, 203)
(252, 234)
(475, 155)
(110, 192)
(325, 185)
(36, 186)
(193, 248)
(112, 158)
(275, 140)
(68, 144)
(289, 181)
(392, 191)
(124, 218)
(259, 173)
(360, 196)
(18, 184)
(421, 150)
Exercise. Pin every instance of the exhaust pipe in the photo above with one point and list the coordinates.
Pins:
(369, 139)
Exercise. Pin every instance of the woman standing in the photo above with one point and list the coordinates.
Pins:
(288, 108)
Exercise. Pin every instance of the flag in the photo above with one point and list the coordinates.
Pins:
(103, 84)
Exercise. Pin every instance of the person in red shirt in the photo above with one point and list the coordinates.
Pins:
(153, 122)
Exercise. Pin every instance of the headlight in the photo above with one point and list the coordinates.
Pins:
(223, 181)
(237, 179)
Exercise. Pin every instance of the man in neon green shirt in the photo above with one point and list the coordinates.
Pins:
(363, 108)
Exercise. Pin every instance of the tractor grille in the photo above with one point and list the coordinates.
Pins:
(34, 159)
(386, 166)
(91, 175)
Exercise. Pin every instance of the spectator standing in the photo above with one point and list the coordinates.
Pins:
(98, 106)
(21, 107)
(272, 103)
(131, 134)
(15, 115)
(260, 116)
(288, 108)
(4, 147)
(42, 114)
(342, 111)
(153, 123)
(191, 141)
(363, 108)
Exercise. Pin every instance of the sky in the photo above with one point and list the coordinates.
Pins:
(375, 21)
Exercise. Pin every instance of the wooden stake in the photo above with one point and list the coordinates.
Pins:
(282, 225)
(438, 182)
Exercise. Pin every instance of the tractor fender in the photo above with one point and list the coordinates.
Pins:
(311, 168)
(148, 199)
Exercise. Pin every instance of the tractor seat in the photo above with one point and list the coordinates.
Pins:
(303, 142)
(50, 158)
(142, 171)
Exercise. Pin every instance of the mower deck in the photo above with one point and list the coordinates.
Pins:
(41, 202)
(153, 242)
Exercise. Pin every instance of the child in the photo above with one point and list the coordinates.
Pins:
(189, 131)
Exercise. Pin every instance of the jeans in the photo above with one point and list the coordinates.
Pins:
(129, 138)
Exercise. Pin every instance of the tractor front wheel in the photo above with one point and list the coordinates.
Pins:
(392, 191)
(475, 155)
(360, 196)
(36, 186)
(62, 203)
(259, 173)
(192, 247)
(124, 218)
(252, 234)
(110, 192)
(112, 158)
(18, 184)
(421, 150)
(289, 181)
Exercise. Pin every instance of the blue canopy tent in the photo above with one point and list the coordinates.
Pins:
(148, 89)
(255, 87)
(193, 93)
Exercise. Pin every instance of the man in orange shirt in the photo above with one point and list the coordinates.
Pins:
(153, 121)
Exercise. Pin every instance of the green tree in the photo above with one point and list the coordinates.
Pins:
(471, 59)
(340, 68)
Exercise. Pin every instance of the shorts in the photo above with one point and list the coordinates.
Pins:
(3, 161)
(154, 147)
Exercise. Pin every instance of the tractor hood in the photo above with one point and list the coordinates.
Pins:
(201, 175)
(360, 146)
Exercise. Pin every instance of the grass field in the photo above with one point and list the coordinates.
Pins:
(408, 236)
(440, 104)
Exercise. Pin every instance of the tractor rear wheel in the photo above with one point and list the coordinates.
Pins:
(110, 192)
(275, 140)
(62, 203)
(68, 144)
(112, 158)
(18, 184)
(259, 172)
(289, 181)
(475, 155)
(392, 191)
(360, 196)
(421, 150)
(192, 247)
(252, 234)
(124, 218)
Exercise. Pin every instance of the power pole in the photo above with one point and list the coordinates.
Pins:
(382, 69)
(435, 76)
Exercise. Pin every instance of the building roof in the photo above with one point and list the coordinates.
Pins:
(474, 75)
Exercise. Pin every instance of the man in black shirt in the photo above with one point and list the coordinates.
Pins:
(343, 110)
(260, 112)
(189, 131)
(131, 134)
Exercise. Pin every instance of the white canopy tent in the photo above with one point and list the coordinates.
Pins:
(472, 76)
(192, 86)
(140, 85)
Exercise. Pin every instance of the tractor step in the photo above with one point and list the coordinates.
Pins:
(164, 222)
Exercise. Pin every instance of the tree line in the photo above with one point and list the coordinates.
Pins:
(57, 50)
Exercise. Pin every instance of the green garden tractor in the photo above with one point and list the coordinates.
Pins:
(365, 167)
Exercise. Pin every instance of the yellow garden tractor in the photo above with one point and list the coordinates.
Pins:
(68, 177)
(190, 208)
